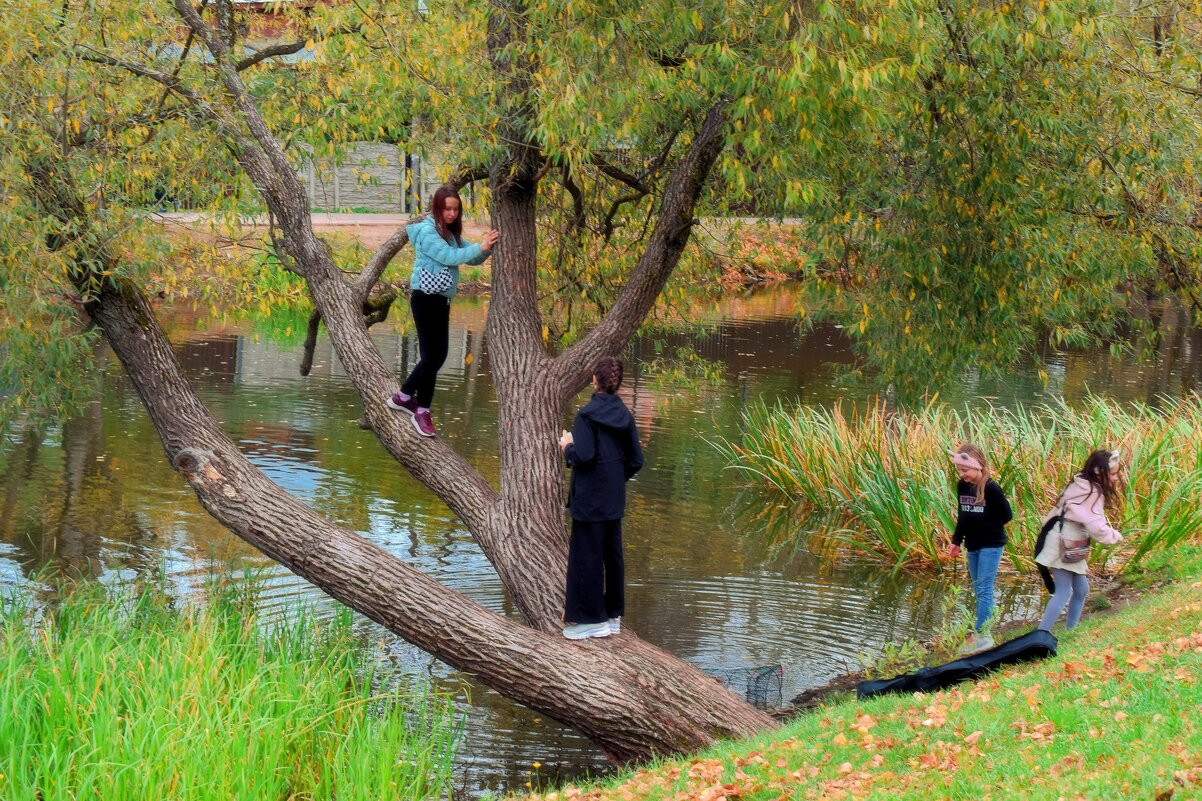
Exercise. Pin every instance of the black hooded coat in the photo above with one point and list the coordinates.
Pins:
(604, 454)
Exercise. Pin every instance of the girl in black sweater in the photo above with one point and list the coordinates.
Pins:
(982, 515)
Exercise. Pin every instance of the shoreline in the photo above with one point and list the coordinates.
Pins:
(1116, 596)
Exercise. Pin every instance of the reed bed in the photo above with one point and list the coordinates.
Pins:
(879, 482)
(106, 694)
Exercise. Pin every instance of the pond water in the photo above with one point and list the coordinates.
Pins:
(96, 498)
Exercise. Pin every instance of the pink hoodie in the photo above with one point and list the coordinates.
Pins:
(1084, 512)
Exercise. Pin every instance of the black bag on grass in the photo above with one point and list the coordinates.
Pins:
(1038, 644)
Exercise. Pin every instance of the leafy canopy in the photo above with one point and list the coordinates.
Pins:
(963, 173)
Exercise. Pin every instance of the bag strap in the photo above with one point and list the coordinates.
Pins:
(1060, 499)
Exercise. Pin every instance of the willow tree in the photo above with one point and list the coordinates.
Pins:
(105, 97)
(598, 128)
(1013, 170)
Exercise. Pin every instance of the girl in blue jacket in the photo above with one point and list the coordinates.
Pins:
(439, 250)
(604, 453)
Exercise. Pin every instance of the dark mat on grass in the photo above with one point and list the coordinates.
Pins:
(1038, 644)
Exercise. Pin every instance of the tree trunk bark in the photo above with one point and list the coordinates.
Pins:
(630, 698)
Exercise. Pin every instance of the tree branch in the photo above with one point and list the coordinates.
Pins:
(467, 175)
(380, 260)
(268, 145)
(287, 48)
(607, 225)
(579, 218)
(171, 82)
(271, 51)
(150, 119)
(225, 126)
(619, 174)
(637, 183)
(667, 241)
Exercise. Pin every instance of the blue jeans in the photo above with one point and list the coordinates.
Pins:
(982, 567)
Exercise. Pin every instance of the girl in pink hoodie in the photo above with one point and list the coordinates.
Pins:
(1083, 504)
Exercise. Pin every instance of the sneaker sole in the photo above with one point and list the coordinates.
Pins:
(419, 428)
(597, 636)
(976, 649)
(397, 408)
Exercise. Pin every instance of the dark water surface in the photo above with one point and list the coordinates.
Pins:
(96, 498)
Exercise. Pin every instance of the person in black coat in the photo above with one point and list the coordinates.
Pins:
(603, 451)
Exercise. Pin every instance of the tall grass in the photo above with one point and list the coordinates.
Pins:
(120, 696)
(880, 482)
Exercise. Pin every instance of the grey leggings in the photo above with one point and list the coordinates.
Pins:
(1071, 588)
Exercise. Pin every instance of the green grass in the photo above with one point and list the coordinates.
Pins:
(116, 695)
(1113, 715)
(879, 482)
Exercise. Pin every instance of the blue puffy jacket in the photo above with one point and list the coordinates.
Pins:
(433, 254)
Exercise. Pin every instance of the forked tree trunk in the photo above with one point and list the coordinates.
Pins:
(630, 698)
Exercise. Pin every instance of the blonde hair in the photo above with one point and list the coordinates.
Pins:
(975, 452)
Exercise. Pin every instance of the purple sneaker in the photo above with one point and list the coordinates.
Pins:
(423, 424)
(394, 402)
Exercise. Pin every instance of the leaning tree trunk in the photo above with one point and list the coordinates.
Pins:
(627, 696)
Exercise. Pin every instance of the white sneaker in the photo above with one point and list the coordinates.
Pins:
(582, 631)
(974, 644)
(615, 625)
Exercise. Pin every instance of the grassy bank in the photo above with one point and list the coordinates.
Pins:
(1114, 715)
(880, 483)
(120, 696)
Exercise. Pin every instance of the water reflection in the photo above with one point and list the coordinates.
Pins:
(97, 499)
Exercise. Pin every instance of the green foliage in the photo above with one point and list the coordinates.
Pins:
(879, 482)
(992, 168)
(964, 175)
(685, 368)
(956, 623)
(969, 175)
(80, 151)
(115, 694)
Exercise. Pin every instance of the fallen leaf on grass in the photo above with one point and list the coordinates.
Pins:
(1070, 764)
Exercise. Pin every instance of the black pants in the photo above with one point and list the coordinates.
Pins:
(432, 317)
(596, 572)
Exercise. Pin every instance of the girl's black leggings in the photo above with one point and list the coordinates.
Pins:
(432, 317)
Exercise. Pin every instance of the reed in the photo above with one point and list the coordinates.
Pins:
(105, 694)
(879, 482)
